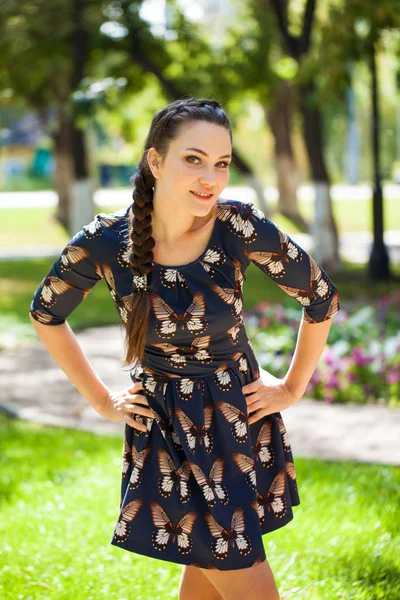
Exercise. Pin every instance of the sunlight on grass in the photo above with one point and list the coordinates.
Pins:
(59, 493)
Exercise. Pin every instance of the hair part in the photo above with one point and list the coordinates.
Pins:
(166, 126)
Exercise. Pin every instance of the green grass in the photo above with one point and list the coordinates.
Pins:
(59, 495)
(30, 226)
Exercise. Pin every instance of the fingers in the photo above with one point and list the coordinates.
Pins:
(135, 424)
(249, 388)
(132, 407)
(136, 387)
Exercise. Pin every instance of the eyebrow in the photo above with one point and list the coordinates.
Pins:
(205, 153)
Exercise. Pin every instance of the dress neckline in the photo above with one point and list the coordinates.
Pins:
(202, 255)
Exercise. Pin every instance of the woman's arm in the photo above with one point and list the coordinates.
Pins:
(311, 341)
(61, 343)
(269, 394)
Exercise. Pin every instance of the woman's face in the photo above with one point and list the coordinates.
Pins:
(197, 161)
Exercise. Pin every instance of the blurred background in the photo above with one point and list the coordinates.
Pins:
(312, 88)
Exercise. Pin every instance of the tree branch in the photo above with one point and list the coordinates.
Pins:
(280, 9)
(308, 20)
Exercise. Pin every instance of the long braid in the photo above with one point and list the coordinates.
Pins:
(166, 126)
(142, 242)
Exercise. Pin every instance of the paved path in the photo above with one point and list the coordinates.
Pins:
(33, 387)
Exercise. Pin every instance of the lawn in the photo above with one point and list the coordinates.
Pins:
(29, 226)
(59, 493)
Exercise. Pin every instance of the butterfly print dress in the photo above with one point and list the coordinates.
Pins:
(199, 486)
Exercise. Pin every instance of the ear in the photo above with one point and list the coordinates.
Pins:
(154, 162)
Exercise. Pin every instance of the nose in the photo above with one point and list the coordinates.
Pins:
(208, 178)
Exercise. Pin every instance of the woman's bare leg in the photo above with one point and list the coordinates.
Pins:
(254, 583)
(195, 586)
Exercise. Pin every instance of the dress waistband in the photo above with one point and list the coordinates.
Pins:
(240, 361)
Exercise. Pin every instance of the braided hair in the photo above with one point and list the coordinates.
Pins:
(165, 127)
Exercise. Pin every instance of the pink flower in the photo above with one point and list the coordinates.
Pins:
(352, 377)
(261, 306)
(360, 358)
(333, 381)
(329, 399)
(329, 357)
(392, 377)
(264, 321)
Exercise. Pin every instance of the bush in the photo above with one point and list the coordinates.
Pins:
(361, 362)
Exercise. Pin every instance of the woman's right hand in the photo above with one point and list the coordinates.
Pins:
(119, 406)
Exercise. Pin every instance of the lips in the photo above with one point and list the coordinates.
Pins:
(204, 197)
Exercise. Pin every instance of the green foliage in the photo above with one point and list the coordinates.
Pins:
(59, 509)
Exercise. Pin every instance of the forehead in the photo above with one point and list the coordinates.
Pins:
(212, 138)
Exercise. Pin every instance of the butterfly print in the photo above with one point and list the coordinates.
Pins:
(333, 309)
(241, 359)
(167, 428)
(151, 382)
(147, 421)
(318, 287)
(172, 277)
(175, 356)
(213, 256)
(126, 458)
(109, 277)
(274, 500)
(173, 477)
(179, 533)
(95, 228)
(185, 387)
(246, 466)
(124, 252)
(194, 433)
(138, 464)
(262, 449)
(237, 418)
(123, 304)
(273, 263)
(284, 435)
(222, 377)
(233, 332)
(212, 486)
(192, 318)
(229, 537)
(198, 350)
(239, 218)
(52, 287)
(292, 473)
(232, 296)
(71, 255)
(42, 317)
(126, 515)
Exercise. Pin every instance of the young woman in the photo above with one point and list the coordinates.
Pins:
(207, 466)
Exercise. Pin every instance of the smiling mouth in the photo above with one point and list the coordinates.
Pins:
(201, 195)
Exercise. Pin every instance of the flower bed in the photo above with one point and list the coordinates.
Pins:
(361, 361)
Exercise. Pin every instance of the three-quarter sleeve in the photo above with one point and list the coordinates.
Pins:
(289, 265)
(71, 277)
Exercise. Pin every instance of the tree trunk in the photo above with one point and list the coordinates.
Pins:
(324, 230)
(64, 168)
(279, 118)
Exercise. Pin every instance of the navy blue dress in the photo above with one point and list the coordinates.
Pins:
(200, 486)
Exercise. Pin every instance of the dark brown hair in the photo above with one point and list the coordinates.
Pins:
(166, 125)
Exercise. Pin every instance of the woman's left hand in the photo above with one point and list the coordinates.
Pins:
(266, 395)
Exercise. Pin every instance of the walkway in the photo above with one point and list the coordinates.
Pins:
(33, 387)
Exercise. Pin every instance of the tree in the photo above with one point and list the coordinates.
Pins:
(324, 229)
